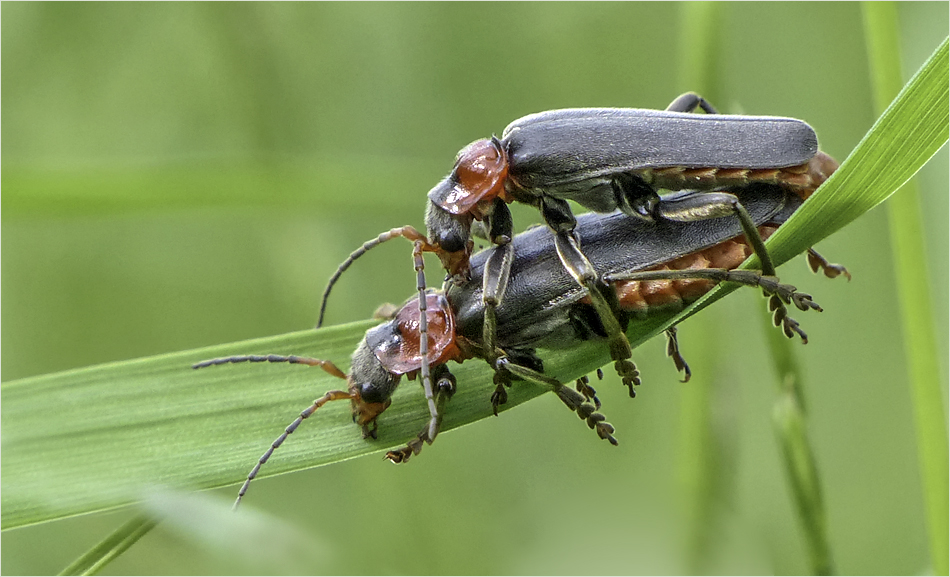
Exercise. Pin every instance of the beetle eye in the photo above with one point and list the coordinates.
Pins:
(451, 242)
(370, 393)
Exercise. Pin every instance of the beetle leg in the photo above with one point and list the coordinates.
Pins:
(574, 400)
(831, 270)
(495, 278)
(557, 213)
(494, 284)
(696, 206)
(689, 102)
(780, 294)
(583, 387)
(502, 378)
(673, 351)
(502, 381)
(445, 388)
(583, 272)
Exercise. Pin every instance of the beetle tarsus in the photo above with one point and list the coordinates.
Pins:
(673, 351)
(577, 402)
(413, 447)
(583, 387)
(831, 270)
(628, 374)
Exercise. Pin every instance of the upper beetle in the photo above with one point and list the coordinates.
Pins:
(610, 158)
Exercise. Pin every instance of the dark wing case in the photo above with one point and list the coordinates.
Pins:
(534, 312)
(557, 147)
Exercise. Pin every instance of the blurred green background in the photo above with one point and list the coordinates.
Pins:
(180, 175)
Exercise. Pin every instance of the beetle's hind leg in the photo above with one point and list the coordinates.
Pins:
(780, 294)
(673, 351)
(689, 102)
(831, 270)
(557, 213)
(575, 401)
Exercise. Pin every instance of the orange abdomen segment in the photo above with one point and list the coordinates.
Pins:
(639, 297)
(802, 179)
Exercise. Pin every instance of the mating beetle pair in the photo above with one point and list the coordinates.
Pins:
(605, 159)
(518, 296)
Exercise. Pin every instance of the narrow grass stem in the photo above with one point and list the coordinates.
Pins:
(911, 278)
(92, 561)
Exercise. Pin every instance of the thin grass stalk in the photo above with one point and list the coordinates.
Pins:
(788, 417)
(698, 452)
(94, 560)
(911, 278)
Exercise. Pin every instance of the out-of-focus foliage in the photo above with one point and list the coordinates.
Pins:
(189, 174)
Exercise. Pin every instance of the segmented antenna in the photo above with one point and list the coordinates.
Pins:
(407, 232)
(330, 396)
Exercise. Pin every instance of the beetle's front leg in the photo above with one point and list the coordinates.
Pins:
(579, 267)
(445, 385)
(494, 284)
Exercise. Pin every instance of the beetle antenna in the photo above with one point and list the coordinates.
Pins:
(330, 396)
(407, 232)
(292, 359)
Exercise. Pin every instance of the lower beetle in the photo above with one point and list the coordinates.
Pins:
(650, 267)
(607, 159)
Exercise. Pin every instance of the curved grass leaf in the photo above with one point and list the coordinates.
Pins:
(99, 437)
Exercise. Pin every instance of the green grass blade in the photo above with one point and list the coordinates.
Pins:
(700, 445)
(911, 278)
(788, 417)
(100, 437)
(91, 562)
(912, 129)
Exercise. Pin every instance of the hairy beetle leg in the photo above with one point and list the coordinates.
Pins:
(574, 400)
(779, 294)
(673, 351)
(831, 270)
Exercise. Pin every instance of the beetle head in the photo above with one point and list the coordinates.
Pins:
(371, 383)
(452, 233)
